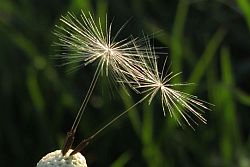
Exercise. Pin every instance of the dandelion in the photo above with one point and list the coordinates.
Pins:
(127, 61)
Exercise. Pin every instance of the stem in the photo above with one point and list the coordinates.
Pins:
(85, 142)
(84, 103)
(71, 134)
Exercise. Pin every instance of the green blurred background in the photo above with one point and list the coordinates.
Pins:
(209, 41)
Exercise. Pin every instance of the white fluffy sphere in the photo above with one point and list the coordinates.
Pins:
(56, 158)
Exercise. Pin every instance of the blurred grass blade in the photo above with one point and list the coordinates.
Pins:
(227, 74)
(205, 59)
(34, 90)
(102, 11)
(122, 160)
(78, 5)
(229, 136)
(243, 97)
(133, 113)
(212, 83)
(151, 149)
(26, 45)
(176, 39)
(153, 155)
(244, 5)
(147, 126)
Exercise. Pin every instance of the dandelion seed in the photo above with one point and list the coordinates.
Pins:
(177, 103)
(89, 43)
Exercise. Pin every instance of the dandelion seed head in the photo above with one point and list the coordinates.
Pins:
(57, 159)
